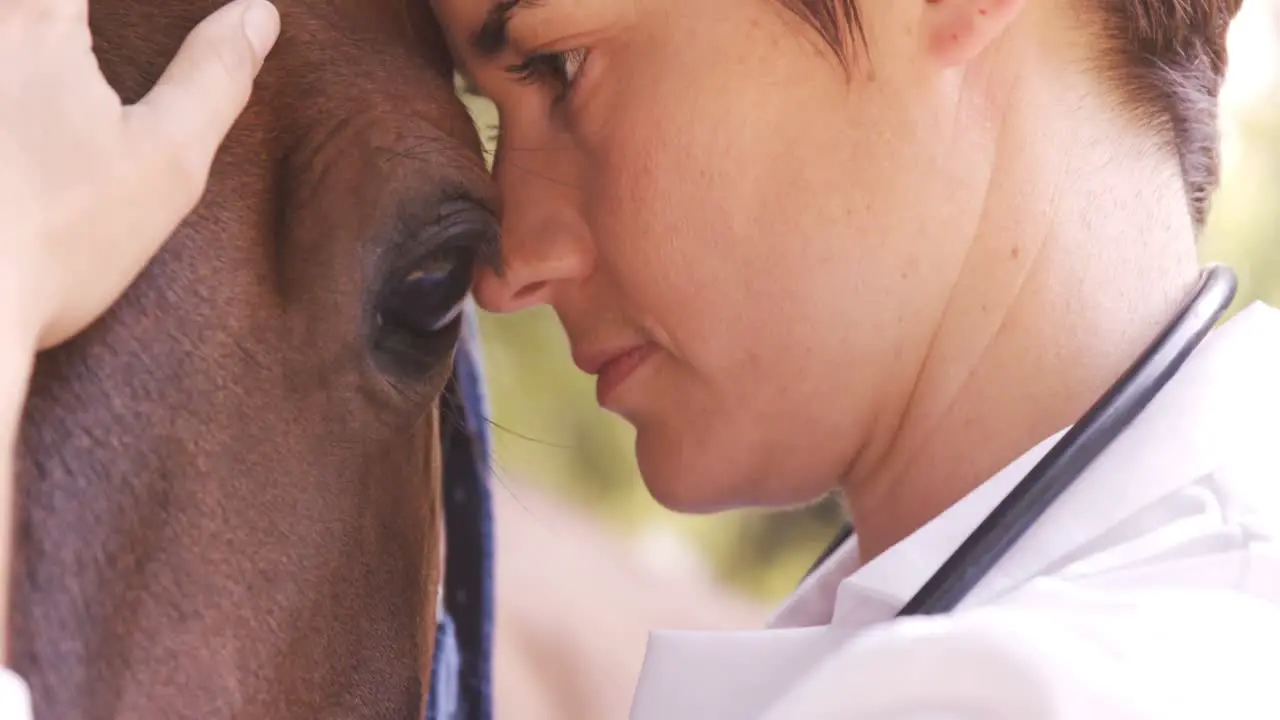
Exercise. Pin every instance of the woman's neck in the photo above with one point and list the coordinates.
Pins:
(1064, 286)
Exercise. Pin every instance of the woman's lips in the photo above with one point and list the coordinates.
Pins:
(614, 372)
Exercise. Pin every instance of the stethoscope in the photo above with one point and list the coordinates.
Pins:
(1074, 452)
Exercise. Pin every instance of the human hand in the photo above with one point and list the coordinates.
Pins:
(90, 188)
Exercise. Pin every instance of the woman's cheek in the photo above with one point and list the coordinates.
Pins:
(663, 193)
(663, 242)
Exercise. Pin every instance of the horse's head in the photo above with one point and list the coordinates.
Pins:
(229, 485)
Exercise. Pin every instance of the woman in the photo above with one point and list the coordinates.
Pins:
(893, 249)
(75, 166)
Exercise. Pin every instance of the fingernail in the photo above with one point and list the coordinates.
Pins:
(261, 26)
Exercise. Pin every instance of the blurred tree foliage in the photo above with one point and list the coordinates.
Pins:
(549, 431)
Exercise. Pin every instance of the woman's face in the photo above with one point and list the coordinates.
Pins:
(755, 245)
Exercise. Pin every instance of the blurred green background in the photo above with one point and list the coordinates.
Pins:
(548, 431)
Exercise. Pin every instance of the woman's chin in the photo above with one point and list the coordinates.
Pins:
(713, 472)
(682, 497)
(692, 480)
(667, 481)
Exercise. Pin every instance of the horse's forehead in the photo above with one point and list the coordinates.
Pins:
(373, 45)
(349, 80)
(355, 23)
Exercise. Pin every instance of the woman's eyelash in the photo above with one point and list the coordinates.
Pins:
(530, 69)
(558, 70)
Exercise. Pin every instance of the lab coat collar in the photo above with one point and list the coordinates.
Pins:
(1206, 418)
(892, 577)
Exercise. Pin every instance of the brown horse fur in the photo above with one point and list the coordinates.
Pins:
(229, 484)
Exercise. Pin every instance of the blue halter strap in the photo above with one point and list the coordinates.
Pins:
(461, 677)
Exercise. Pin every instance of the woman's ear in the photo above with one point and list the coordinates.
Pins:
(955, 31)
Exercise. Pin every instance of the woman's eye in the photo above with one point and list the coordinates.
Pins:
(429, 299)
(558, 70)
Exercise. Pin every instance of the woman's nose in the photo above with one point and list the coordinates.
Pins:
(545, 242)
(537, 258)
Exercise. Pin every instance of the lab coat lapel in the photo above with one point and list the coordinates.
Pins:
(1200, 423)
(737, 673)
(1203, 422)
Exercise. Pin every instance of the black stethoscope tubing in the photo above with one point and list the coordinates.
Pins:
(1067, 460)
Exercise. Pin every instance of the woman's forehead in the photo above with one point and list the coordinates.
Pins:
(459, 16)
(482, 24)
(477, 13)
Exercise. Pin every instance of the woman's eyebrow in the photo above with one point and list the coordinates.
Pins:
(491, 39)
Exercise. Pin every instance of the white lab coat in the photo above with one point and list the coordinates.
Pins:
(1151, 589)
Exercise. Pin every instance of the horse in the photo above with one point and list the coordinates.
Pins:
(229, 486)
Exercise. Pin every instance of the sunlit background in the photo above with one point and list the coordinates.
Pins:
(552, 441)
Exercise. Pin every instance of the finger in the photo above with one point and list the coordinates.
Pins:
(178, 127)
(56, 12)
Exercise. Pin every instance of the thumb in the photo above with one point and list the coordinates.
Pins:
(186, 116)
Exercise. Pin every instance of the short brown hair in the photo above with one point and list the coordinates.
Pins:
(1166, 59)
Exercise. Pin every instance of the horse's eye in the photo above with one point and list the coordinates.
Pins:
(430, 298)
